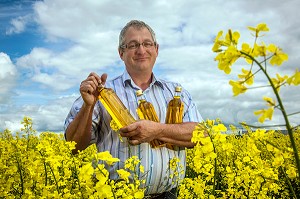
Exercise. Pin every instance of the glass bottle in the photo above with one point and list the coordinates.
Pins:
(114, 106)
(175, 108)
(175, 111)
(146, 111)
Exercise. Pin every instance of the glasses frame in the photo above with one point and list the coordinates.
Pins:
(137, 45)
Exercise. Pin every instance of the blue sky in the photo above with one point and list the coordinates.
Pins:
(48, 47)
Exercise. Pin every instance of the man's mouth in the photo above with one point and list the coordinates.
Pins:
(141, 59)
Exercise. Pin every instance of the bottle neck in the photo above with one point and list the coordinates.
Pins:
(141, 98)
(100, 87)
(177, 94)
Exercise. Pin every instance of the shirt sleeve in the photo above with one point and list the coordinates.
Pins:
(72, 114)
(191, 113)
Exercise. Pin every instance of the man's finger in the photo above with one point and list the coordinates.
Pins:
(134, 142)
(129, 128)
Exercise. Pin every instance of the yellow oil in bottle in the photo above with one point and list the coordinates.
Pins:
(174, 111)
(146, 111)
(114, 106)
(175, 108)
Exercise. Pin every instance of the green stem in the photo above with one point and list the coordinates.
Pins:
(76, 175)
(294, 113)
(45, 168)
(255, 87)
(56, 183)
(285, 116)
(215, 166)
(267, 126)
(21, 176)
(288, 182)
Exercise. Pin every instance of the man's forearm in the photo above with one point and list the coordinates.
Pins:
(178, 134)
(79, 129)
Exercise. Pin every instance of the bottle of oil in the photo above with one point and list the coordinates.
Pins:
(146, 111)
(175, 111)
(175, 108)
(114, 106)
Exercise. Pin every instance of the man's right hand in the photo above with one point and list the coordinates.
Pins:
(89, 88)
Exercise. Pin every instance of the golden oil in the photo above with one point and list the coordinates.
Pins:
(175, 111)
(114, 106)
(175, 108)
(146, 111)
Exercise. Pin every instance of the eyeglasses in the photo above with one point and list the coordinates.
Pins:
(134, 45)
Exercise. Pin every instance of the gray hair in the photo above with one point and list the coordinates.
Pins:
(137, 25)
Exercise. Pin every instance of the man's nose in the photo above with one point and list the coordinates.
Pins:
(141, 48)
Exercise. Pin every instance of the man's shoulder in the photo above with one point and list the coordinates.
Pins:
(113, 81)
(168, 83)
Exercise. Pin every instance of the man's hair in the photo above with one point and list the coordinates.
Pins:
(137, 25)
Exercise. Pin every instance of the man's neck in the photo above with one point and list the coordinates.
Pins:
(142, 80)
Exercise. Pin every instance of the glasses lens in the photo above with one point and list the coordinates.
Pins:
(132, 45)
(147, 44)
(135, 45)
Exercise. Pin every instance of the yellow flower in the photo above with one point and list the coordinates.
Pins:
(259, 50)
(278, 161)
(131, 163)
(173, 163)
(219, 128)
(232, 38)
(279, 81)
(227, 58)
(101, 174)
(278, 56)
(211, 197)
(210, 122)
(294, 79)
(85, 172)
(139, 194)
(237, 87)
(142, 170)
(218, 43)
(248, 50)
(260, 27)
(107, 157)
(123, 174)
(265, 114)
(291, 172)
(113, 125)
(247, 76)
(246, 159)
(270, 101)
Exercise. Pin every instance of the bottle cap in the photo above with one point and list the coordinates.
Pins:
(139, 93)
(100, 86)
(178, 89)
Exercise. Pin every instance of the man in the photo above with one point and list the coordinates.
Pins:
(88, 121)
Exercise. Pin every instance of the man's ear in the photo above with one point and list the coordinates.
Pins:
(121, 52)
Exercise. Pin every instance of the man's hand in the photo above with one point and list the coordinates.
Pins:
(141, 131)
(89, 88)
(146, 131)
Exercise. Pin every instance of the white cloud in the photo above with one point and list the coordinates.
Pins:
(8, 75)
(47, 117)
(18, 24)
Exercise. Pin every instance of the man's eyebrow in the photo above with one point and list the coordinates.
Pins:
(134, 40)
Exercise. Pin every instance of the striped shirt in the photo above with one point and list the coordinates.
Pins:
(154, 160)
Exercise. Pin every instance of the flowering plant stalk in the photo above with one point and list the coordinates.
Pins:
(44, 166)
(259, 54)
(258, 164)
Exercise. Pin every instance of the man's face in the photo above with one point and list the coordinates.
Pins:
(142, 58)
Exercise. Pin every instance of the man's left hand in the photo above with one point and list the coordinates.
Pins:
(141, 131)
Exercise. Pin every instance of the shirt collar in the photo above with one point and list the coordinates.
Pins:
(126, 79)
